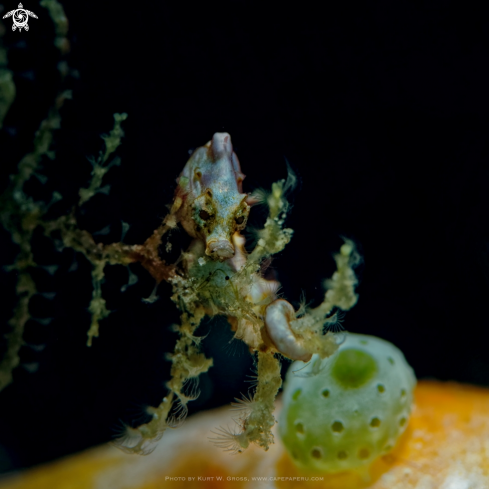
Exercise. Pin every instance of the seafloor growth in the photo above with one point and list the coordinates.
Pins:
(443, 447)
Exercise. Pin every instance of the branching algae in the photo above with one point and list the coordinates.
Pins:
(19, 213)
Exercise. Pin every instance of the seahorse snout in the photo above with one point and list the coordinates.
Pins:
(219, 248)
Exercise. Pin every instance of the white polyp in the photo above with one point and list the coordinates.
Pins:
(277, 322)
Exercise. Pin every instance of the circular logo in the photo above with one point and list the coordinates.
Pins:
(20, 17)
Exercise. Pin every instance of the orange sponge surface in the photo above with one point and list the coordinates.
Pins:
(446, 446)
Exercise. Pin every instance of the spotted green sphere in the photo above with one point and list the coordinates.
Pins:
(343, 412)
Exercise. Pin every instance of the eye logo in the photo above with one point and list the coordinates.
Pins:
(20, 16)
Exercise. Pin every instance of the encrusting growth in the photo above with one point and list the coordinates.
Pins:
(217, 276)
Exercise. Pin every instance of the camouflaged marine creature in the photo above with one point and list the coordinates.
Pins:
(214, 276)
(217, 276)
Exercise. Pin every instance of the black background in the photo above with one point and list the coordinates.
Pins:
(381, 109)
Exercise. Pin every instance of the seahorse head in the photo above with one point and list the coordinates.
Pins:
(213, 203)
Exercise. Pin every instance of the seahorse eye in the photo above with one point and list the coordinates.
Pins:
(203, 214)
(240, 220)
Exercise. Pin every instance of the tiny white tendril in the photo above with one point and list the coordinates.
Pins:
(191, 387)
(252, 380)
(243, 405)
(334, 323)
(229, 440)
(178, 415)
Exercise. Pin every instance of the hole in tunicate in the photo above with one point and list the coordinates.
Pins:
(294, 455)
(296, 394)
(316, 453)
(364, 342)
(375, 422)
(299, 427)
(380, 388)
(403, 393)
(402, 421)
(363, 453)
(325, 393)
(391, 360)
(342, 455)
(337, 426)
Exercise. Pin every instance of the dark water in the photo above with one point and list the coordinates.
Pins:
(380, 109)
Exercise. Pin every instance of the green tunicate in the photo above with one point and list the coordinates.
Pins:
(351, 412)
